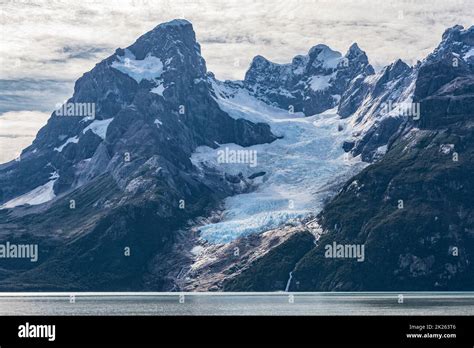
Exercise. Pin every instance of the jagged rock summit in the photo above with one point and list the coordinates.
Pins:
(117, 173)
(311, 83)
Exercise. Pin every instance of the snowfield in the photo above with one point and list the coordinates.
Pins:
(320, 82)
(300, 168)
(39, 195)
(73, 140)
(99, 127)
(145, 69)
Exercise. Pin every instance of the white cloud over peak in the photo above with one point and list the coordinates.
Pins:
(59, 39)
(46, 45)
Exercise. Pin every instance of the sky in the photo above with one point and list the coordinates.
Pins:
(45, 45)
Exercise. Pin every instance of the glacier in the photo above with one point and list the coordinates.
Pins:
(300, 167)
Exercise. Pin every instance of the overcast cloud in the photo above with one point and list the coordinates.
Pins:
(60, 40)
(46, 45)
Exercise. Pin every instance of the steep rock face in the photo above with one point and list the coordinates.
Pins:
(426, 242)
(385, 105)
(444, 87)
(412, 210)
(380, 106)
(129, 176)
(127, 165)
(311, 83)
(149, 99)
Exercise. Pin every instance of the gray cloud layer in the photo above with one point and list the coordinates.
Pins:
(47, 44)
(60, 40)
(17, 131)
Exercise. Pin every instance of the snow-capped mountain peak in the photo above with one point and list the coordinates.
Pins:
(311, 83)
(159, 79)
(457, 43)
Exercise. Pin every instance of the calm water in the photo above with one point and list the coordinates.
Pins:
(239, 304)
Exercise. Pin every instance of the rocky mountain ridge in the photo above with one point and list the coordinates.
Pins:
(113, 200)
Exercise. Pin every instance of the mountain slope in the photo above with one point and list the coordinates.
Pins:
(135, 197)
(312, 83)
(124, 178)
(413, 209)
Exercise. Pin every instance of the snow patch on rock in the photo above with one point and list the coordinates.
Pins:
(147, 69)
(39, 195)
(73, 140)
(99, 127)
(320, 82)
(158, 89)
